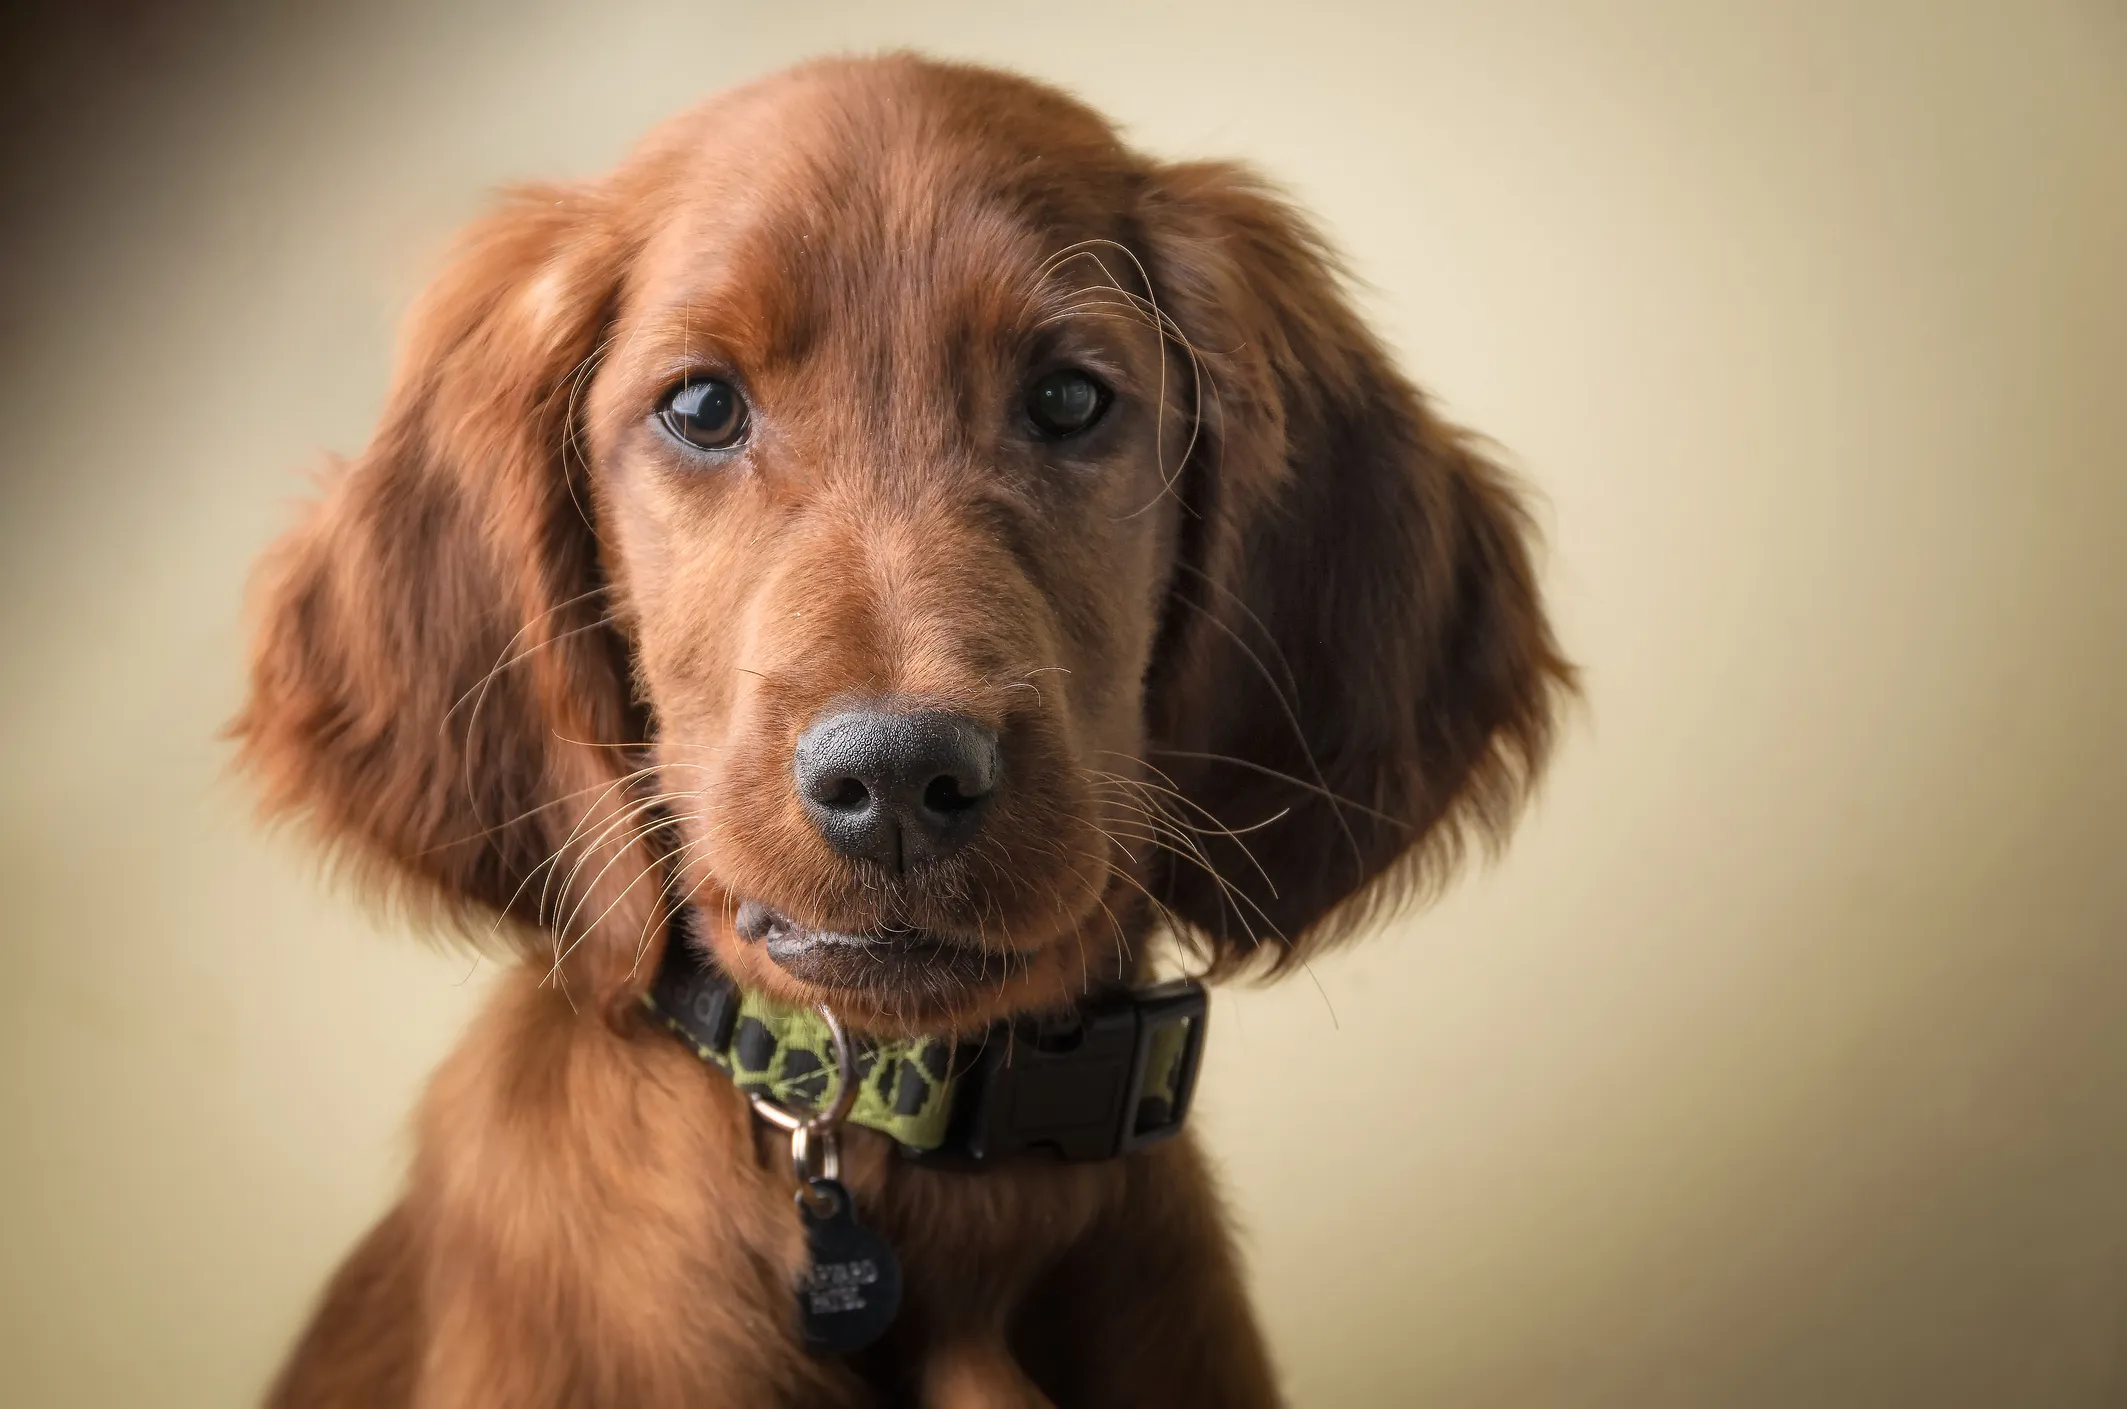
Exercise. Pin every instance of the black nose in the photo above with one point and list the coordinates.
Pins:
(898, 789)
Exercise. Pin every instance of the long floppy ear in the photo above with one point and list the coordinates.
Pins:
(434, 684)
(1355, 643)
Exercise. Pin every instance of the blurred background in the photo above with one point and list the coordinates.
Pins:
(1783, 1060)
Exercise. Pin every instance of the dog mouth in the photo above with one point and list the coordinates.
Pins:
(886, 960)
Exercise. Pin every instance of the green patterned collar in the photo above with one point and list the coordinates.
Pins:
(1116, 1075)
(787, 1055)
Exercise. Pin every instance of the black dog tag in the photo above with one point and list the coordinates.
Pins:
(850, 1291)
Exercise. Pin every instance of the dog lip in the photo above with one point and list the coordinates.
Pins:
(755, 922)
(879, 959)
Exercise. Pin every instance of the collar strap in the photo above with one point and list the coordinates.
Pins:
(1114, 1075)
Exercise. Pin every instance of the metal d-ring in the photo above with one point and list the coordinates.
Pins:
(817, 1134)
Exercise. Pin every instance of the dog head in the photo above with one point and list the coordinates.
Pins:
(928, 540)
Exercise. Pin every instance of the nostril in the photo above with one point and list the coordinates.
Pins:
(846, 795)
(946, 794)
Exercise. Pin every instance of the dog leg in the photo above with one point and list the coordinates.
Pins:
(978, 1375)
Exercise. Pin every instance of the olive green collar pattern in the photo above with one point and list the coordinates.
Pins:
(787, 1054)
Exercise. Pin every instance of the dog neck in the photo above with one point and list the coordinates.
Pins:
(1113, 1075)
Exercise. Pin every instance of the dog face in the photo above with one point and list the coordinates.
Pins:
(893, 520)
(885, 507)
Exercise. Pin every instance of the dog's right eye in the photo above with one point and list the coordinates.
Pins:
(1064, 403)
(708, 414)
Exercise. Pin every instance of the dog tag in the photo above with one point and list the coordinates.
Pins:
(848, 1294)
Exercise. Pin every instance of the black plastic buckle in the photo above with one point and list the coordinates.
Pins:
(1079, 1089)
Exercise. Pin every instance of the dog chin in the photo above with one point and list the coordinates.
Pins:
(908, 973)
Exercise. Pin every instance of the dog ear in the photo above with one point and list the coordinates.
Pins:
(1355, 644)
(434, 683)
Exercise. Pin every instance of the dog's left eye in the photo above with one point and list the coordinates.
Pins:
(1064, 403)
(708, 414)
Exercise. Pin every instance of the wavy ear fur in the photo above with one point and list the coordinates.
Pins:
(1355, 641)
(434, 685)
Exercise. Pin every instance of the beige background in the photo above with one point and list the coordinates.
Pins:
(1783, 1061)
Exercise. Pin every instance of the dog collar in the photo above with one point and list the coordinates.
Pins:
(1114, 1075)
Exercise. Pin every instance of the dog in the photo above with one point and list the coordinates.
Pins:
(872, 574)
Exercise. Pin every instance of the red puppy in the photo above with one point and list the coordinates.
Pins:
(934, 553)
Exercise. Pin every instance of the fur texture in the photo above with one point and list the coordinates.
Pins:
(1262, 647)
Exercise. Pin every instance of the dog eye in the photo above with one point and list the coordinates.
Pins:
(708, 414)
(1064, 403)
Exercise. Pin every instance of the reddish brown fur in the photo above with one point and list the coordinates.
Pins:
(1269, 592)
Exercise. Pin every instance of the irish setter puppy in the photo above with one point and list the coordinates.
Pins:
(887, 546)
